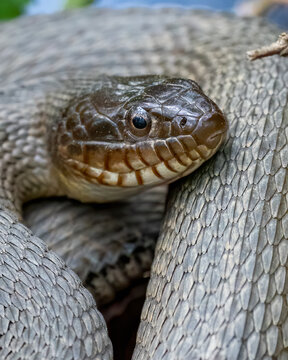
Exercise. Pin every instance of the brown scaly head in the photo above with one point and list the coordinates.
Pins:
(132, 133)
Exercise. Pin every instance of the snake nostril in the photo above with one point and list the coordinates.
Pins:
(183, 121)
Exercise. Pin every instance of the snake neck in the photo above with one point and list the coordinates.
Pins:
(26, 170)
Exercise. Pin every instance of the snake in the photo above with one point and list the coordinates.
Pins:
(218, 287)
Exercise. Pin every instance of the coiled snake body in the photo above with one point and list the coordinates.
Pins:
(218, 287)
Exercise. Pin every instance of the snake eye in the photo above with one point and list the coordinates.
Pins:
(139, 122)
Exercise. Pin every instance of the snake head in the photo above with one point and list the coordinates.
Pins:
(131, 133)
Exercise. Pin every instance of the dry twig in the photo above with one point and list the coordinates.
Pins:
(279, 47)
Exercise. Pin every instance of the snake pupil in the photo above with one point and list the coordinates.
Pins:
(139, 122)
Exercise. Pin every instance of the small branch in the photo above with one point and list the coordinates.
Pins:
(279, 47)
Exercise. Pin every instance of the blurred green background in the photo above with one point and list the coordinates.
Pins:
(12, 8)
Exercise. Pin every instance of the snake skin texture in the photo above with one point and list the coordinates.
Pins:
(218, 287)
(108, 246)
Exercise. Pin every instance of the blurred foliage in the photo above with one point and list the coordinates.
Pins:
(72, 4)
(12, 8)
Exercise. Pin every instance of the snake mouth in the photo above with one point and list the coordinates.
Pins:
(142, 164)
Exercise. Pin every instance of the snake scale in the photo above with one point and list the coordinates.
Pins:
(218, 287)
